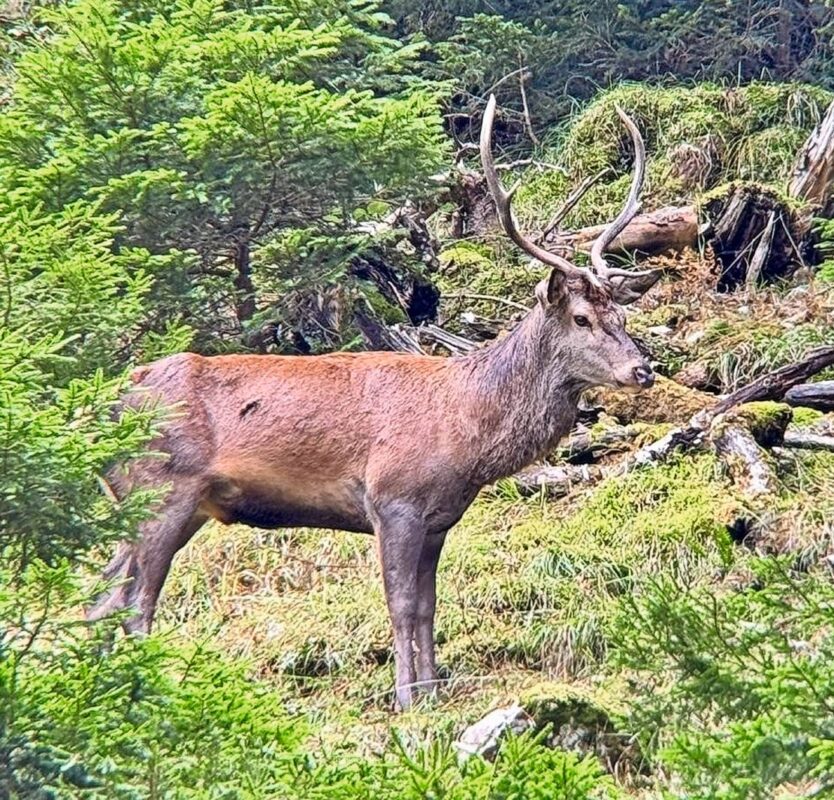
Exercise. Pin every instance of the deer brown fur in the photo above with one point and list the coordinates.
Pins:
(388, 444)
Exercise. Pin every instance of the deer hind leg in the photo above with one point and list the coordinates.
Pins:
(400, 536)
(426, 603)
(140, 567)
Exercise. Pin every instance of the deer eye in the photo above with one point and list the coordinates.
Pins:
(582, 322)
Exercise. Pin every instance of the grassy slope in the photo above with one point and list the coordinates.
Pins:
(526, 588)
(529, 590)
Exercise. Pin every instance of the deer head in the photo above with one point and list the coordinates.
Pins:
(582, 306)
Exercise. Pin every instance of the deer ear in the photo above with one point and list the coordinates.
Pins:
(626, 289)
(549, 292)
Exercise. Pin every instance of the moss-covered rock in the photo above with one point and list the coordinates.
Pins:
(571, 705)
(582, 720)
(765, 420)
(666, 402)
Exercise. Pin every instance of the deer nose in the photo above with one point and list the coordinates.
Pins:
(644, 376)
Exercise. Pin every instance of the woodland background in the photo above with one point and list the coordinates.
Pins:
(301, 176)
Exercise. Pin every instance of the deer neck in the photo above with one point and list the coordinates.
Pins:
(520, 397)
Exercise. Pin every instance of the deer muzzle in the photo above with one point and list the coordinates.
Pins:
(643, 376)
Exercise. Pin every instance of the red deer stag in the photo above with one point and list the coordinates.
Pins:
(389, 444)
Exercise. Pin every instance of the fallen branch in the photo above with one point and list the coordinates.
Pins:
(434, 334)
(808, 441)
(554, 481)
(818, 395)
(570, 201)
(672, 228)
(772, 386)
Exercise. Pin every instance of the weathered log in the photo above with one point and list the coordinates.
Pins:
(746, 462)
(584, 445)
(812, 395)
(554, 481)
(435, 335)
(808, 441)
(667, 229)
(813, 171)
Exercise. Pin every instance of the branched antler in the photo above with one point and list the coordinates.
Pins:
(599, 272)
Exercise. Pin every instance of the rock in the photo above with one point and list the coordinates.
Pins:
(484, 737)
(696, 375)
(582, 720)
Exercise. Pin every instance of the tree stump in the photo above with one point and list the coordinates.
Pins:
(753, 232)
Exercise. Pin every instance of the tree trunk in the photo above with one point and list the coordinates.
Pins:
(755, 236)
(672, 228)
(245, 289)
(813, 172)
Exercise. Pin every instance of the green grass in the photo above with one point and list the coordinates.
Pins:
(525, 590)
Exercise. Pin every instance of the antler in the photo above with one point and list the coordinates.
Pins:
(628, 285)
(628, 212)
(503, 202)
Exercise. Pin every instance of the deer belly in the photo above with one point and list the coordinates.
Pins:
(284, 502)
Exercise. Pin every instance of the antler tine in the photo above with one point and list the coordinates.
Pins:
(503, 201)
(631, 207)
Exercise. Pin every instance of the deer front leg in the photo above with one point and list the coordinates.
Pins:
(426, 604)
(400, 538)
(141, 566)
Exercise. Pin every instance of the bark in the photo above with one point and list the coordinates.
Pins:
(475, 211)
(761, 253)
(812, 395)
(746, 462)
(808, 441)
(754, 235)
(554, 481)
(413, 221)
(667, 229)
(245, 305)
(813, 172)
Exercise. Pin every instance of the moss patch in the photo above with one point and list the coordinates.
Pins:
(666, 402)
(765, 420)
(745, 133)
(806, 417)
